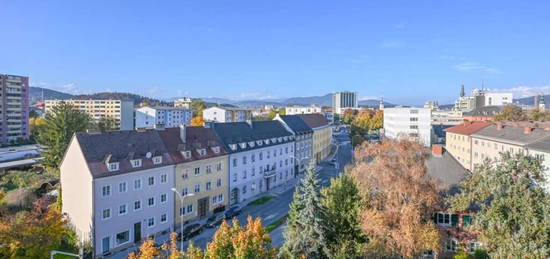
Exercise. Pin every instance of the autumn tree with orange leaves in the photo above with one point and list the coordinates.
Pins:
(399, 199)
(197, 121)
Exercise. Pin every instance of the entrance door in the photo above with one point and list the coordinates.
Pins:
(267, 183)
(137, 232)
(203, 207)
(235, 195)
(105, 245)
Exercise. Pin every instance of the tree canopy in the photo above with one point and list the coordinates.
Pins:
(514, 210)
(60, 125)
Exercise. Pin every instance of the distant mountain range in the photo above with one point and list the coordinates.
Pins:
(38, 94)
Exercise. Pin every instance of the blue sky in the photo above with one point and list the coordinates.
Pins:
(405, 51)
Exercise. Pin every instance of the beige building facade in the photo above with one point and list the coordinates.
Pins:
(322, 134)
(459, 142)
(121, 111)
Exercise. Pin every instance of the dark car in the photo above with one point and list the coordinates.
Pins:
(214, 220)
(190, 231)
(232, 212)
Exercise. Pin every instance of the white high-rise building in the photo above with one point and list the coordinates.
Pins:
(408, 123)
(169, 117)
(344, 100)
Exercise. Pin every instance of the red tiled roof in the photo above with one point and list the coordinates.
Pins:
(468, 128)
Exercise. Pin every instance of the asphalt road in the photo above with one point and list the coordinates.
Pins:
(278, 206)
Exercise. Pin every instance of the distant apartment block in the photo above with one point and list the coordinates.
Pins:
(293, 110)
(481, 98)
(14, 110)
(303, 134)
(322, 135)
(184, 102)
(121, 111)
(226, 114)
(408, 123)
(163, 117)
(344, 100)
(446, 117)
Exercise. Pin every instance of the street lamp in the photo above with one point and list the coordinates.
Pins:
(182, 197)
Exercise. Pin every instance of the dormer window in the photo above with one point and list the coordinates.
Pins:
(157, 160)
(266, 141)
(243, 145)
(274, 140)
(285, 138)
(216, 149)
(135, 163)
(112, 166)
(201, 151)
(186, 154)
(280, 139)
(259, 142)
(233, 146)
(251, 144)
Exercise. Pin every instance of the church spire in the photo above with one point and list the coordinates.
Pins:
(462, 94)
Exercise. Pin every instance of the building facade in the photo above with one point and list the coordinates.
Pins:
(163, 117)
(541, 149)
(344, 100)
(184, 102)
(408, 123)
(260, 157)
(14, 110)
(201, 172)
(117, 188)
(226, 114)
(322, 135)
(292, 110)
(446, 117)
(121, 111)
(303, 134)
(459, 143)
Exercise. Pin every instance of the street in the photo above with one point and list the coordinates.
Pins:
(279, 205)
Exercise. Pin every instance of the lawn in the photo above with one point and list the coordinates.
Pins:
(275, 224)
(261, 200)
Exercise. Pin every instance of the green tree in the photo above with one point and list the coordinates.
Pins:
(343, 206)
(105, 124)
(197, 106)
(514, 209)
(61, 123)
(306, 234)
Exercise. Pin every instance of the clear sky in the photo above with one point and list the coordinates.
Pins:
(405, 51)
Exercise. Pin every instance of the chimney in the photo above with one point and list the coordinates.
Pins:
(182, 133)
(499, 125)
(527, 130)
(437, 150)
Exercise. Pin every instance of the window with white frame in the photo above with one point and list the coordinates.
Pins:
(151, 180)
(185, 173)
(197, 170)
(106, 190)
(157, 160)
(197, 188)
(216, 149)
(136, 163)
(473, 246)
(137, 184)
(113, 166)
(244, 160)
(137, 205)
(219, 182)
(208, 169)
(234, 177)
(151, 222)
(163, 218)
(234, 162)
(151, 201)
(122, 209)
(163, 178)
(122, 187)
(184, 191)
(122, 238)
(208, 186)
(452, 245)
(163, 198)
(219, 166)
(106, 214)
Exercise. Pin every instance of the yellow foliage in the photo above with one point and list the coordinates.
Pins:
(197, 121)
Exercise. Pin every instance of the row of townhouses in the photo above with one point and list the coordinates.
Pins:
(117, 186)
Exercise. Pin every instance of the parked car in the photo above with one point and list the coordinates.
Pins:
(232, 212)
(190, 231)
(215, 220)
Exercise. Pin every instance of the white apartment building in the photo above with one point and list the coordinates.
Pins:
(496, 99)
(408, 123)
(121, 111)
(117, 188)
(184, 102)
(293, 110)
(226, 114)
(14, 108)
(164, 117)
(260, 157)
(344, 100)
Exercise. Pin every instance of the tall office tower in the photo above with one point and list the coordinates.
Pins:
(344, 100)
(14, 109)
